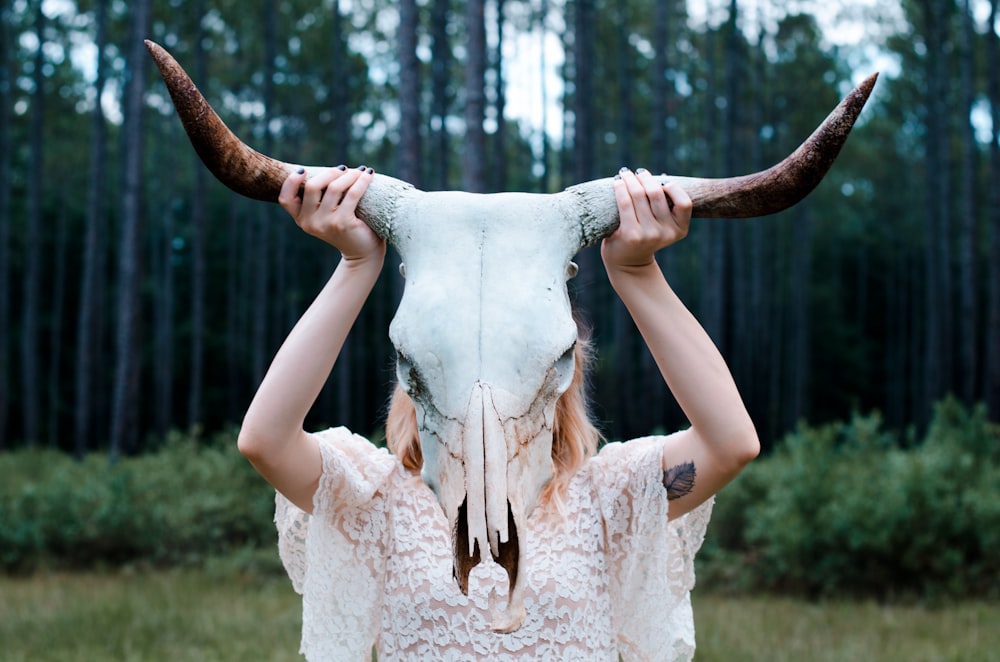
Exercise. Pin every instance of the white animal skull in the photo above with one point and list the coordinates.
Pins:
(484, 331)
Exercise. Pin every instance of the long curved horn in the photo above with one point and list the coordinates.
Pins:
(245, 170)
(757, 194)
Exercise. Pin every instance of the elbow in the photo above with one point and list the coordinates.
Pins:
(251, 446)
(746, 449)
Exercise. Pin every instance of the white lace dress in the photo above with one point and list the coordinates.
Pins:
(373, 565)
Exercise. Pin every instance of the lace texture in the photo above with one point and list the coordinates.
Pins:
(373, 564)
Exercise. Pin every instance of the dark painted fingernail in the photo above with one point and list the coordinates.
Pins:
(642, 170)
(623, 169)
(618, 177)
(299, 171)
(341, 167)
(371, 170)
(362, 167)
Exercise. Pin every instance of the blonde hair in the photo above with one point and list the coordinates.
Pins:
(574, 436)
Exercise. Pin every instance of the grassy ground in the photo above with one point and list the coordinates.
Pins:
(219, 614)
(783, 630)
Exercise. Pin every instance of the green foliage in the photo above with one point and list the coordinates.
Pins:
(851, 508)
(181, 504)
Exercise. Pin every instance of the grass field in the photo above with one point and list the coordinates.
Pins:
(220, 614)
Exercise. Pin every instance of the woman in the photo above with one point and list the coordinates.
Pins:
(365, 542)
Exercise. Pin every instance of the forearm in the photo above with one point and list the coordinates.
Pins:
(689, 362)
(303, 364)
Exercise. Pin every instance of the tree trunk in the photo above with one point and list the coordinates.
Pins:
(623, 59)
(500, 137)
(341, 399)
(968, 291)
(710, 233)
(340, 94)
(583, 95)
(800, 359)
(937, 348)
(543, 32)
(6, 95)
(734, 234)
(163, 300)
(584, 150)
(30, 369)
(992, 386)
(57, 302)
(440, 59)
(409, 157)
(198, 266)
(659, 136)
(474, 151)
(237, 316)
(262, 216)
(93, 245)
(761, 287)
(124, 433)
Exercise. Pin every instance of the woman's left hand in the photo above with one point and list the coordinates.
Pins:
(653, 214)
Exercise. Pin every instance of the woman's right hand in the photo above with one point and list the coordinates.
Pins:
(327, 209)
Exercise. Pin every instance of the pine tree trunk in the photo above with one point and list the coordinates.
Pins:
(57, 302)
(409, 157)
(543, 32)
(584, 149)
(125, 400)
(6, 94)
(93, 245)
(799, 361)
(261, 246)
(198, 267)
(937, 313)
(30, 369)
(163, 299)
(710, 233)
(968, 290)
(992, 386)
(500, 137)
(474, 150)
(440, 59)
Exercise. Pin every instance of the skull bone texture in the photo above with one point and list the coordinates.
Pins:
(484, 333)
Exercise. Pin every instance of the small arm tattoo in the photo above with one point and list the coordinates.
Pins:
(679, 480)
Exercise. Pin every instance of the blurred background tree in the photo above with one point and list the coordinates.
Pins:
(139, 296)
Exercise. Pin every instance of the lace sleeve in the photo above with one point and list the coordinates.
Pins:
(335, 557)
(650, 558)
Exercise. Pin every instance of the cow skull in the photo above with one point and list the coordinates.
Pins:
(484, 332)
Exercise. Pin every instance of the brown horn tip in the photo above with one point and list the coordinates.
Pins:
(758, 194)
(235, 164)
(788, 182)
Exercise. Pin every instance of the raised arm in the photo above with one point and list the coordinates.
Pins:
(721, 439)
(272, 437)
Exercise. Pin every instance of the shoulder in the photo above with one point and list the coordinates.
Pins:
(354, 469)
(630, 459)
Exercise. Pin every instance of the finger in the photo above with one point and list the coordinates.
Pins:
(626, 207)
(638, 193)
(288, 197)
(315, 188)
(659, 202)
(353, 195)
(335, 191)
(682, 205)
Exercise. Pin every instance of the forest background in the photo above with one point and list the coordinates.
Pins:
(139, 296)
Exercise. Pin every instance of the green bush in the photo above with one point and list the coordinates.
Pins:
(183, 503)
(851, 508)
